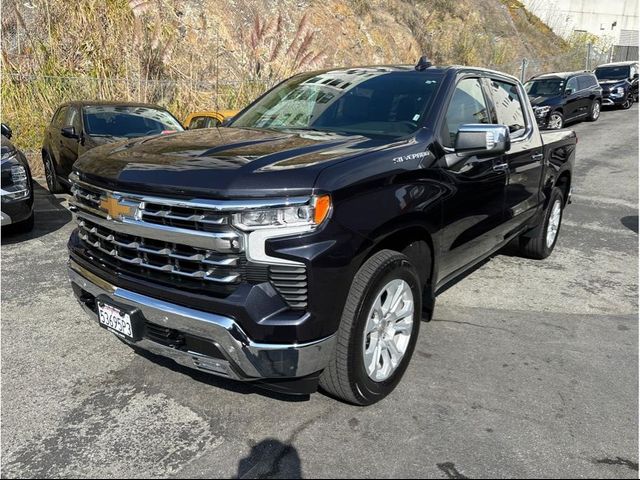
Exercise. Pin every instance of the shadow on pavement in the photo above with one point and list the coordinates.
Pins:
(245, 388)
(50, 215)
(270, 459)
(631, 222)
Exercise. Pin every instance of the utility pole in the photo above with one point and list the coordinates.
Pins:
(588, 61)
(523, 70)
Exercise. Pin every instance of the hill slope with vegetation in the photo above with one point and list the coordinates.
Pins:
(207, 54)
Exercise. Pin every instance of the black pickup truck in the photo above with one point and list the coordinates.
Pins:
(304, 243)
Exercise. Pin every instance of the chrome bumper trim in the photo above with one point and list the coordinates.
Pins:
(245, 359)
(607, 101)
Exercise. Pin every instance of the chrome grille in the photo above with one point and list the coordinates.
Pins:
(171, 258)
(291, 283)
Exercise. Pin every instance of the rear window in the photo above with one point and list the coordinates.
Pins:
(508, 106)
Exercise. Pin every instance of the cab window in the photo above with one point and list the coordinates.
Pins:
(198, 122)
(509, 106)
(468, 105)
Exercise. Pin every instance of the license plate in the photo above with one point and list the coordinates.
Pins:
(115, 320)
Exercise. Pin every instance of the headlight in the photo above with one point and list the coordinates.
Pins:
(15, 181)
(295, 216)
(541, 111)
(617, 92)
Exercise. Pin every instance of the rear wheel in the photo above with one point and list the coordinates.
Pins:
(556, 121)
(594, 113)
(53, 184)
(378, 330)
(544, 238)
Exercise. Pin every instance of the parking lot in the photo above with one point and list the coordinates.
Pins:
(529, 368)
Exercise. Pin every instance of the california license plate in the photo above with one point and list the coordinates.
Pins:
(114, 319)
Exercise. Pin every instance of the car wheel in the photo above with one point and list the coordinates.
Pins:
(378, 330)
(556, 121)
(627, 103)
(594, 113)
(539, 243)
(50, 174)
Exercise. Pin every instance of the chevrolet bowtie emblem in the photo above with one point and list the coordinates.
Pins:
(114, 208)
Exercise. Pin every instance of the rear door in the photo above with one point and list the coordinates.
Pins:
(524, 160)
(473, 214)
(572, 99)
(587, 94)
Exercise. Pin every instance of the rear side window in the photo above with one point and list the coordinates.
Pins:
(508, 106)
(586, 81)
(467, 106)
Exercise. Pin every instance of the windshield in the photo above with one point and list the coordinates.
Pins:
(544, 88)
(612, 73)
(366, 101)
(127, 121)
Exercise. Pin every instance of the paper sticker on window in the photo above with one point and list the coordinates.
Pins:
(416, 117)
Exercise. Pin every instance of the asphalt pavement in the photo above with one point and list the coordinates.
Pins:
(529, 369)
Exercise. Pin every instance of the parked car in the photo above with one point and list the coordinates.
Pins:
(77, 127)
(619, 82)
(17, 186)
(208, 119)
(563, 97)
(304, 244)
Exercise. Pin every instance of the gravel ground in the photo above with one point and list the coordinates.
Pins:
(529, 369)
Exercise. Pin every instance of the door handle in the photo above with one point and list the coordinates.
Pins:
(537, 156)
(501, 167)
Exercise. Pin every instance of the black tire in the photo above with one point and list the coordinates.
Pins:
(594, 111)
(627, 103)
(551, 125)
(345, 377)
(534, 245)
(53, 184)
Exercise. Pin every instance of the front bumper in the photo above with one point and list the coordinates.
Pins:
(609, 101)
(16, 211)
(238, 357)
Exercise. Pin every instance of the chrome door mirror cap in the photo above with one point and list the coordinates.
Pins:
(482, 139)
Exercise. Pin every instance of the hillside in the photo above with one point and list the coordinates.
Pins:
(205, 54)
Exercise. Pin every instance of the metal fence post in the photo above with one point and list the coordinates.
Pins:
(523, 70)
(588, 61)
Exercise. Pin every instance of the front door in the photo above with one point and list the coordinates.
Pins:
(69, 146)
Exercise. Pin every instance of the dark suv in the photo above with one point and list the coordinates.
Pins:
(619, 82)
(559, 98)
(80, 126)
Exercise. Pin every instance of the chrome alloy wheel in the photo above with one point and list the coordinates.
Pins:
(628, 102)
(388, 330)
(595, 111)
(554, 223)
(555, 121)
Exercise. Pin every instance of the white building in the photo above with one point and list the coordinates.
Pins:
(616, 19)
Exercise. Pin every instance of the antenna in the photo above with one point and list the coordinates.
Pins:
(423, 63)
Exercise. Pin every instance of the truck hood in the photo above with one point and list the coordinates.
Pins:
(221, 162)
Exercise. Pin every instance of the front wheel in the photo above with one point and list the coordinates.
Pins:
(53, 184)
(378, 330)
(556, 121)
(540, 243)
(627, 102)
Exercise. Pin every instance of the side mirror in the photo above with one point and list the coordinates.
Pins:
(69, 132)
(482, 139)
(635, 76)
(568, 91)
(6, 131)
